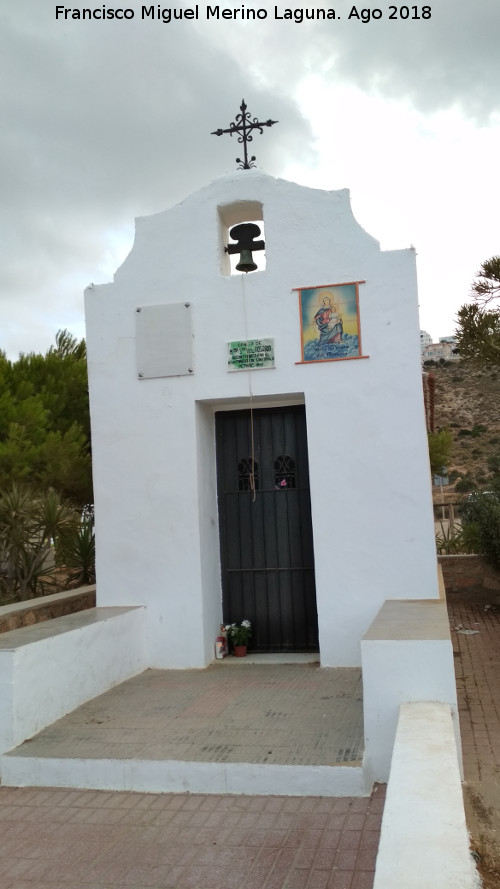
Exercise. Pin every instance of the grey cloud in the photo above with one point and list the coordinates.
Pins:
(110, 123)
(450, 59)
(105, 121)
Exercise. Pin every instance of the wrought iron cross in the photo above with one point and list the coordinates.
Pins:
(244, 127)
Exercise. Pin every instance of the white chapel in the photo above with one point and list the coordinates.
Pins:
(259, 439)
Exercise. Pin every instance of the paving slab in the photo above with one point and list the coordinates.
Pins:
(475, 631)
(286, 714)
(55, 838)
(80, 839)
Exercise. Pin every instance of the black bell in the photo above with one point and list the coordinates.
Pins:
(245, 234)
(246, 263)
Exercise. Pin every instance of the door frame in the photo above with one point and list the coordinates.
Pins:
(274, 404)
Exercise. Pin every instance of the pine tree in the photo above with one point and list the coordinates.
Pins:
(478, 331)
(45, 422)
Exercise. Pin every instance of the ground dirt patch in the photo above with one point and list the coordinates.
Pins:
(483, 822)
(466, 401)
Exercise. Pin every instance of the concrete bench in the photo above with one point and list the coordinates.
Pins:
(406, 656)
(424, 841)
(48, 669)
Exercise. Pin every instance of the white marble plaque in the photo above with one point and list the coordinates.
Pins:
(164, 341)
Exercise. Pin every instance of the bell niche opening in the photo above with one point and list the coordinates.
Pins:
(241, 238)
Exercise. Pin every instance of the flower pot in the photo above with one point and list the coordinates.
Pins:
(240, 650)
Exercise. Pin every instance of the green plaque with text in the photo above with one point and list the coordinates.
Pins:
(250, 354)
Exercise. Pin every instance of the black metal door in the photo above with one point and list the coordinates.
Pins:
(265, 526)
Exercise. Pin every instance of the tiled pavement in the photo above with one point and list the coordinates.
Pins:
(477, 670)
(232, 712)
(79, 839)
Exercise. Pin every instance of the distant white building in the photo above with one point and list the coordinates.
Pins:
(443, 349)
(425, 339)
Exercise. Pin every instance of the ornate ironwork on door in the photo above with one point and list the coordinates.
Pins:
(267, 556)
(248, 475)
(284, 472)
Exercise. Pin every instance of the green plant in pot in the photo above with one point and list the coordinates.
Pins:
(238, 636)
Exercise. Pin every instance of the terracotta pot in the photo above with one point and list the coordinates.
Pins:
(240, 650)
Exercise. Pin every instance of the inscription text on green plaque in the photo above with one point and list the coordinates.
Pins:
(250, 354)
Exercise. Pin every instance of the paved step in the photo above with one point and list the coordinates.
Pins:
(242, 728)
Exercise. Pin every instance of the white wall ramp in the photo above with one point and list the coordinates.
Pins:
(406, 656)
(412, 743)
(50, 668)
(424, 842)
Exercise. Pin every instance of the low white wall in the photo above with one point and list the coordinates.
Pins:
(424, 842)
(48, 669)
(178, 776)
(30, 611)
(406, 655)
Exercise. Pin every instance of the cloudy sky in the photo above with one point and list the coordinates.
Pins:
(105, 120)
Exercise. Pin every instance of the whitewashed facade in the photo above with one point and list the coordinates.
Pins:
(159, 375)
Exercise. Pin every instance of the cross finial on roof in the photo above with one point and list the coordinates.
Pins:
(244, 127)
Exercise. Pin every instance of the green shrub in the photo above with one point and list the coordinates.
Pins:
(464, 485)
(78, 553)
(453, 541)
(480, 514)
(31, 524)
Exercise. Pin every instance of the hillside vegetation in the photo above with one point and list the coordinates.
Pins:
(468, 402)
